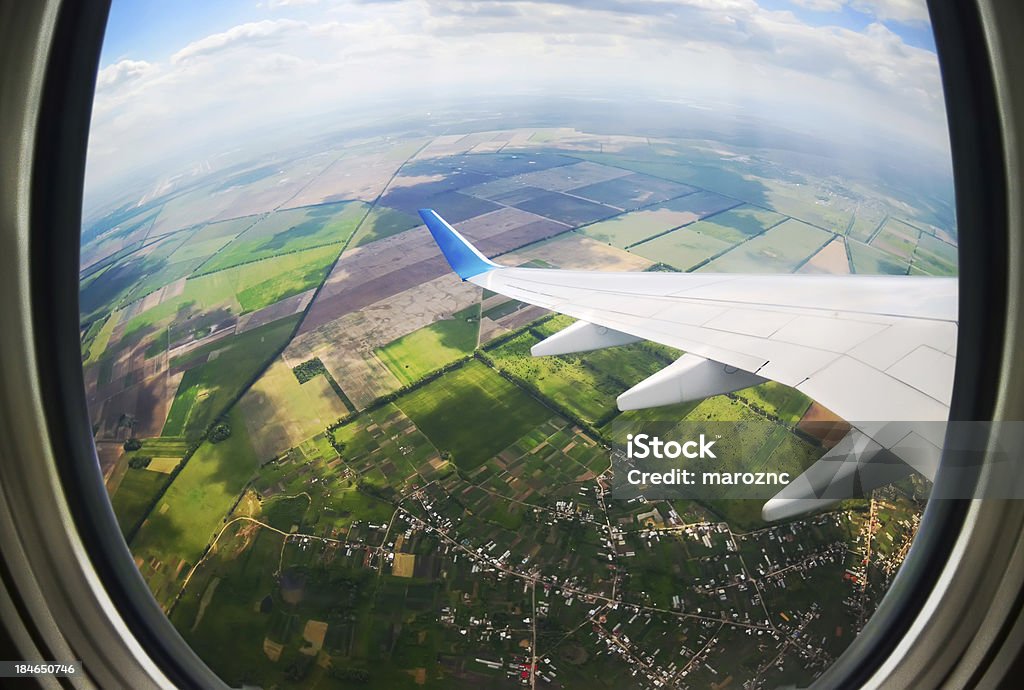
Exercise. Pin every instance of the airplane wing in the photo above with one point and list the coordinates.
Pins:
(866, 347)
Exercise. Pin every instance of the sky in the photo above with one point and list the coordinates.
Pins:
(174, 75)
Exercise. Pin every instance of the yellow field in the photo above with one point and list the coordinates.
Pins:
(165, 465)
(405, 563)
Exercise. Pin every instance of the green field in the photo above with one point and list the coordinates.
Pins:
(211, 238)
(299, 278)
(631, 228)
(810, 201)
(897, 238)
(273, 278)
(563, 379)
(935, 257)
(683, 249)
(865, 221)
(684, 166)
(585, 384)
(230, 632)
(121, 280)
(780, 250)
(871, 261)
(788, 404)
(208, 388)
(413, 356)
(383, 222)
(287, 231)
(472, 412)
(192, 510)
(738, 224)
(134, 495)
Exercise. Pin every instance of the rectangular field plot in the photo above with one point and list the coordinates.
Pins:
(440, 190)
(506, 229)
(148, 265)
(308, 269)
(211, 238)
(134, 495)
(191, 511)
(386, 440)
(810, 201)
(586, 385)
(473, 413)
(220, 371)
(288, 231)
(935, 256)
(280, 412)
(831, 260)
(684, 248)
(566, 209)
(739, 223)
(413, 356)
(553, 179)
(702, 204)
(632, 191)
(896, 238)
(865, 222)
(383, 222)
(871, 261)
(632, 228)
(788, 404)
(780, 250)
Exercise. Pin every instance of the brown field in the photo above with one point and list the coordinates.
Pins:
(374, 272)
(148, 402)
(213, 202)
(557, 179)
(831, 259)
(574, 251)
(521, 317)
(109, 452)
(278, 310)
(824, 425)
(280, 413)
(360, 175)
(345, 345)
(377, 271)
(508, 228)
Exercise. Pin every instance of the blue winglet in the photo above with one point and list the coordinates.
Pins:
(463, 257)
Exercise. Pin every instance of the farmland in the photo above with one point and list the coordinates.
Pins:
(452, 413)
(780, 250)
(191, 511)
(404, 495)
(414, 355)
(221, 372)
(288, 231)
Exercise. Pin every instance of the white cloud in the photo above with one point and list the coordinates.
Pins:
(821, 5)
(122, 72)
(735, 51)
(266, 32)
(914, 11)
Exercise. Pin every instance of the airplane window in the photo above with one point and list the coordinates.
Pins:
(378, 299)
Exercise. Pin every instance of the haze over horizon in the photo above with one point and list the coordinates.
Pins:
(172, 79)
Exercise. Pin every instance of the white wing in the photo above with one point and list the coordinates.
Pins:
(866, 347)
